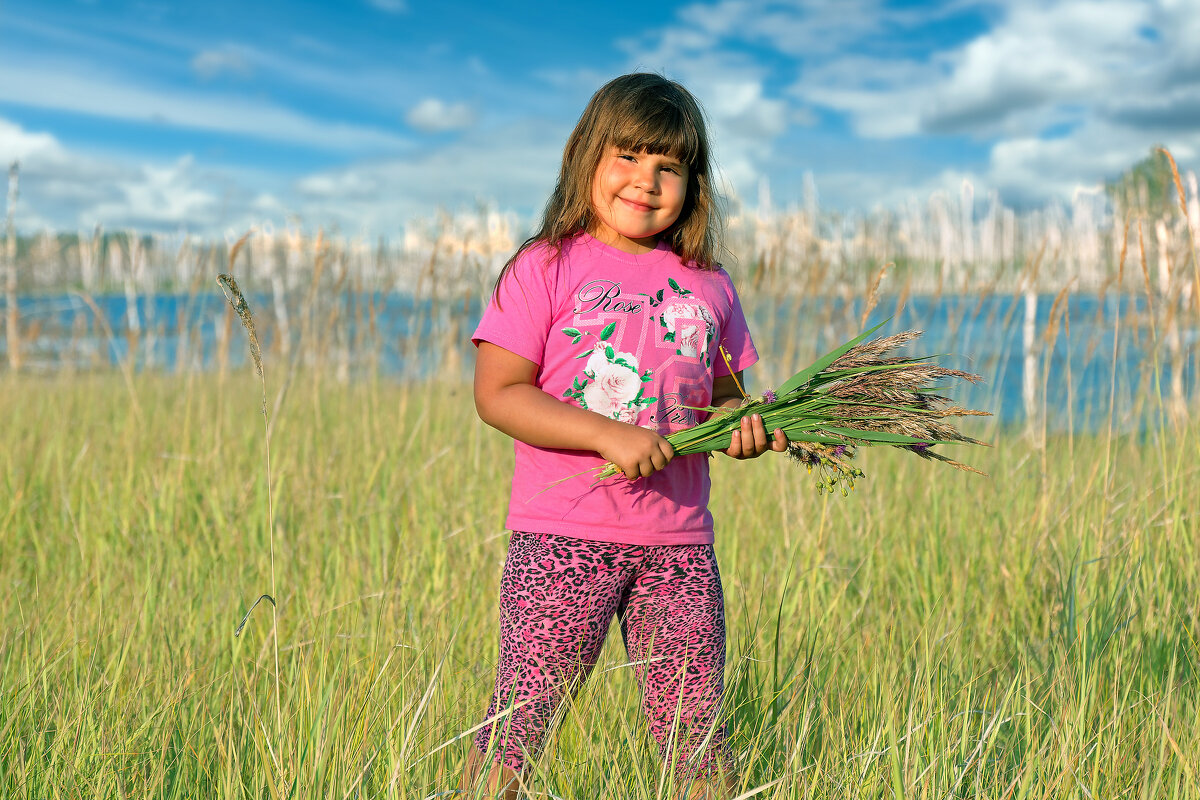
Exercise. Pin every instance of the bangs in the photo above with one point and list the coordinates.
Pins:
(661, 129)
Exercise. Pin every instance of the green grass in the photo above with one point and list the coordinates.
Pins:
(1035, 634)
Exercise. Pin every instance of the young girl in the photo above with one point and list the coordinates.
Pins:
(607, 329)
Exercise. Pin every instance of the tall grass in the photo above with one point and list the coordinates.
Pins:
(935, 635)
(1031, 635)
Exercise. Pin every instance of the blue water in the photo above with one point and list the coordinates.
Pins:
(1078, 380)
(1101, 354)
(181, 331)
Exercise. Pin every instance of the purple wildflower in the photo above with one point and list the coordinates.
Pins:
(769, 396)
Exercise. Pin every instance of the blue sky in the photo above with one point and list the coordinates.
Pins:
(365, 114)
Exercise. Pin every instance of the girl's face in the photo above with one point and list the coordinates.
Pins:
(636, 196)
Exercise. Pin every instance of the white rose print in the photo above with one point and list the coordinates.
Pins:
(689, 341)
(689, 325)
(611, 384)
(630, 415)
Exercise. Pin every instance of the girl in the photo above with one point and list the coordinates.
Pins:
(606, 330)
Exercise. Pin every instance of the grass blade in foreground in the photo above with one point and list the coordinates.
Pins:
(857, 395)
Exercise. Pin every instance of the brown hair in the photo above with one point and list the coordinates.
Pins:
(640, 112)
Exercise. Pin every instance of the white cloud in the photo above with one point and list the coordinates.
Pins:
(745, 124)
(804, 28)
(432, 116)
(1040, 57)
(17, 144)
(209, 64)
(65, 189)
(156, 197)
(1041, 64)
(515, 167)
(1036, 170)
(82, 91)
(1065, 92)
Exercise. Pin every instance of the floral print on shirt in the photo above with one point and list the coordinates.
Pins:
(611, 384)
(686, 324)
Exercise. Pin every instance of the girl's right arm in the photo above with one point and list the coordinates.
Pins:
(508, 400)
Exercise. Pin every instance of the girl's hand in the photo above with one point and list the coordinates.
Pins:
(637, 452)
(752, 441)
(508, 400)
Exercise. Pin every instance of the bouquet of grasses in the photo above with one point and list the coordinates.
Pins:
(858, 395)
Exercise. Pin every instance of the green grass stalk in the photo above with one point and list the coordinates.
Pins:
(238, 302)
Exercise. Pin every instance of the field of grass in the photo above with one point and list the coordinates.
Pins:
(1033, 634)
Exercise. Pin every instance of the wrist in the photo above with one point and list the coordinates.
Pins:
(606, 430)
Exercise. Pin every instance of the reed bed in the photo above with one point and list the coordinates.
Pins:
(949, 242)
(1046, 303)
(1034, 634)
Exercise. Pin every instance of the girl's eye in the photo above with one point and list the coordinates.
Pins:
(626, 157)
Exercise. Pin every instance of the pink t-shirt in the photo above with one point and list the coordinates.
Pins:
(632, 337)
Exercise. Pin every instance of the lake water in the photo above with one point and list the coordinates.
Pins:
(402, 337)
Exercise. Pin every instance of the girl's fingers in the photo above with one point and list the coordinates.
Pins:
(742, 444)
(654, 461)
(760, 435)
(752, 439)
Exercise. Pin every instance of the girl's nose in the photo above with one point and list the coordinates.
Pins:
(646, 180)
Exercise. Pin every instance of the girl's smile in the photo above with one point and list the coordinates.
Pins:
(636, 196)
(637, 206)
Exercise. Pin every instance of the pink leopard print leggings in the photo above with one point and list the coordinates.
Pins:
(558, 596)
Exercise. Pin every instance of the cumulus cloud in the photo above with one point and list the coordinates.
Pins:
(1040, 64)
(55, 184)
(1062, 93)
(65, 189)
(1034, 170)
(745, 124)
(17, 144)
(433, 116)
(160, 196)
(1039, 58)
(1177, 111)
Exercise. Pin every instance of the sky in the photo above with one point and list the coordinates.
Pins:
(362, 116)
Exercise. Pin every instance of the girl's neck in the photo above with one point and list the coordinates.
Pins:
(636, 247)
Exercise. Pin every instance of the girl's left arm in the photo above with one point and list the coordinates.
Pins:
(752, 440)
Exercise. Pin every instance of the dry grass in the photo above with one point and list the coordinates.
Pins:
(1029, 635)
(1032, 635)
